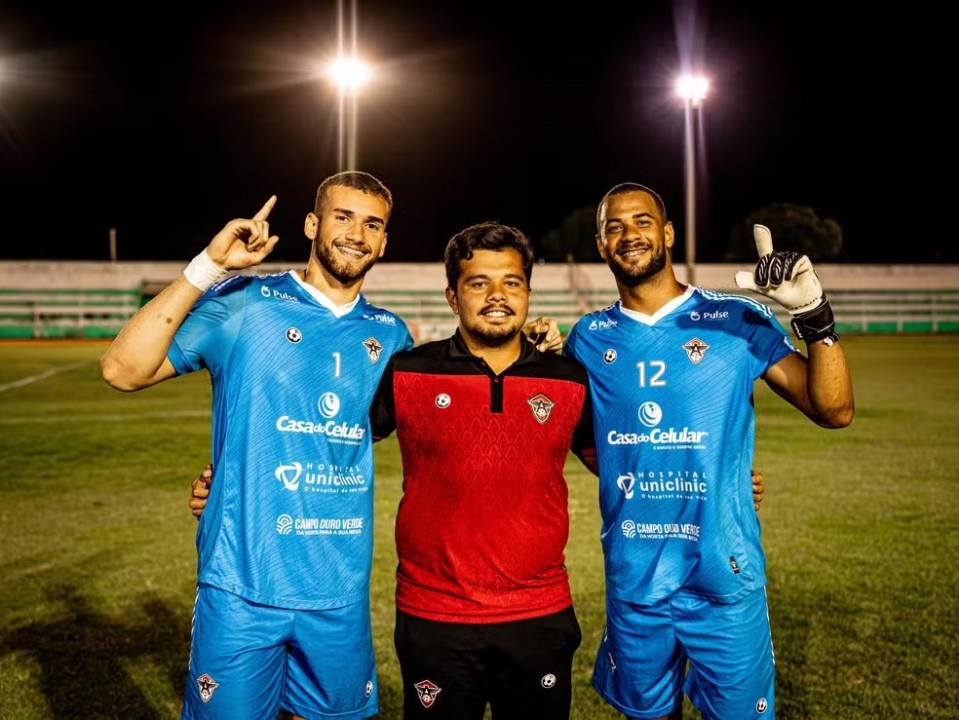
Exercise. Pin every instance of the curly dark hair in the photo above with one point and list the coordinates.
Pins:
(485, 236)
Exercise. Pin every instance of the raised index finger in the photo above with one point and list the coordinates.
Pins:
(265, 210)
(764, 240)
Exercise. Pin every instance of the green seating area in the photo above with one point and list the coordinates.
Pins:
(85, 313)
(65, 313)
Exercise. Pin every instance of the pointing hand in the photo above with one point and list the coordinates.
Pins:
(784, 276)
(243, 243)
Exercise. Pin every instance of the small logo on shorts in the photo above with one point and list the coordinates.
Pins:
(443, 401)
(762, 705)
(207, 686)
(369, 688)
(427, 692)
(548, 681)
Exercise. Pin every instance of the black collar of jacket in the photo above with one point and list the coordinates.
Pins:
(459, 351)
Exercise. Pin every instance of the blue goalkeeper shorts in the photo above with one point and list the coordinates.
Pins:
(249, 660)
(641, 666)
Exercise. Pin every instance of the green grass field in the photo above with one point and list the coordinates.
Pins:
(97, 562)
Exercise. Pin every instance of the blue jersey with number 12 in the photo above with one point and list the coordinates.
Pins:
(675, 429)
(289, 522)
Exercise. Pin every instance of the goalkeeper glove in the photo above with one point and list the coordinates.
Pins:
(789, 279)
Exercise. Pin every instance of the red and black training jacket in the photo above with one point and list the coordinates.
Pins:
(483, 522)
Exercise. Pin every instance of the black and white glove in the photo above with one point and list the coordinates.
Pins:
(788, 278)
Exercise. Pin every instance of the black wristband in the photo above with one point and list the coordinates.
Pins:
(817, 324)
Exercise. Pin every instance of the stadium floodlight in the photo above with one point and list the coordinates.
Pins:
(692, 89)
(349, 74)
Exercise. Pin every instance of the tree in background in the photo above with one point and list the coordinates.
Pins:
(795, 227)
(574, 241)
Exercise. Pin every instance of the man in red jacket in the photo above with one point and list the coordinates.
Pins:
(485, 423)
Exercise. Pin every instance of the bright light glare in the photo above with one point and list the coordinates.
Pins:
(692, 88)
(349, 74)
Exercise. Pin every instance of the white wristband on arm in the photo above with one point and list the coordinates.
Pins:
(202, 272)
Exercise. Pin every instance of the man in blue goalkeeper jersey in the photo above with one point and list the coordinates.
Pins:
(672, 369)
(282, 616)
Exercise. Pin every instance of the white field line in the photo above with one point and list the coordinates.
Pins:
(43, 376)
(93, 418)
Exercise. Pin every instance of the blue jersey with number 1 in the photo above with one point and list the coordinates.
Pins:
(289, 521)
(674, 423)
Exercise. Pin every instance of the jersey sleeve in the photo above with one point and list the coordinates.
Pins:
(569, 345)
(584, 441)
(770, 340)
(207, 334)
(383, 410)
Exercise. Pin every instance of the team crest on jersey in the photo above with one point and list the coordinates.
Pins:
(294, 335)
(427, 692)
(207, 686)
(541, 406)
(373, 348)
(696, 350)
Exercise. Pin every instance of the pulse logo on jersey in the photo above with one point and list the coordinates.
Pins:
(279, 294)
(603, 324)
(718, 315)
(695, 350)
(542, 407)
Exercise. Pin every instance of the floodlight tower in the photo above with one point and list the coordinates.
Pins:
(692, 89)
(349, 74)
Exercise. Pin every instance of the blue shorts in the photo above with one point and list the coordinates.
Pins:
(249, 660)
(641, 665)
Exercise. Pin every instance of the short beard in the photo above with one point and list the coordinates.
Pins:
(635, 276)
(495, 337)
(344, 272)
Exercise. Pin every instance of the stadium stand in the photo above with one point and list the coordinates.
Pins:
(65, 313)
(94, 300)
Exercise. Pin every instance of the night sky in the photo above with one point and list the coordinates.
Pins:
(165, 120)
